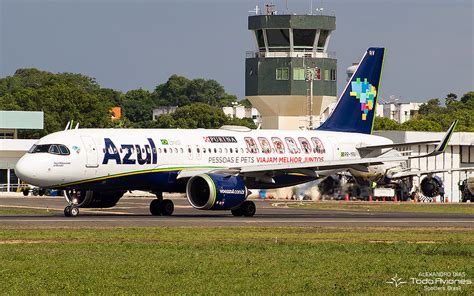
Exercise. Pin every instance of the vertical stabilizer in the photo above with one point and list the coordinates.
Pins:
(355, 109)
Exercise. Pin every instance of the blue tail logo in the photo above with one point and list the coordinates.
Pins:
(355, 109)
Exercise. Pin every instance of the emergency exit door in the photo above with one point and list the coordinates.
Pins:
(91, 152)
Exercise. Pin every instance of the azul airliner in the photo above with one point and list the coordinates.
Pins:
(215, 168)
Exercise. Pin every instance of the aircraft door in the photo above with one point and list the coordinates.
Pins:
(91, 152)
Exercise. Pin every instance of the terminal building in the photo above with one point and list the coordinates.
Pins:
(291, 76)
(12, 148)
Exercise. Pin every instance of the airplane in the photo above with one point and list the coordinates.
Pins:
(215, 168)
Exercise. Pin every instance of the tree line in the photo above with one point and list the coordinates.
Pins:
(69, 96)
(432, 116)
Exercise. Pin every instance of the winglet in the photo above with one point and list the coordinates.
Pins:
(444, 142)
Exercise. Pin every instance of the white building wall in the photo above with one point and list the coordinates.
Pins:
(450, 159)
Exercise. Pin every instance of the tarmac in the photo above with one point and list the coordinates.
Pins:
(133, 212)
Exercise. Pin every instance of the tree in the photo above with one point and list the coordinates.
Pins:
(248, 122)
(421, 125)
(173, 92)
(246, 103)
(197, 115)
(62, 97)
(385, 124)
(450, 98)
(138, 105)
(180, 91)
(432, 106)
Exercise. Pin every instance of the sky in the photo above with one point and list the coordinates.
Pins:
(128, 44)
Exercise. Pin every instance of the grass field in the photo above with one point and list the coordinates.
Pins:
(313, 261)
(25, 211)
(454, 208)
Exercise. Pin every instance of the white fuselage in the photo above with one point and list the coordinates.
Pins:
(100, 154)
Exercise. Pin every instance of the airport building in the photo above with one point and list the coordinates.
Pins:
(458, 154)
(291, 76)
(12, 148)
(239, 111)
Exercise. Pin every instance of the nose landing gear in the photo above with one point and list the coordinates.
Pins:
(71, 211)
(72, 197)
(160, 206)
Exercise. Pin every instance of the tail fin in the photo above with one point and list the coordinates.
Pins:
(355, 109)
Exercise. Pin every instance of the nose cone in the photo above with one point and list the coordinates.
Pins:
(24, 171)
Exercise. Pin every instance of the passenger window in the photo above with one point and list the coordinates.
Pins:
(265, 145)
(251, 145)
(292, 146)
(278, 143)
(305, 145)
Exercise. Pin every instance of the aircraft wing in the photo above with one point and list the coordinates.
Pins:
(419, 173)
(395, 145)
(443, 142)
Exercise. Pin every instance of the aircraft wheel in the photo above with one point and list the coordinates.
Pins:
(41, 192)
(67, 211)
(237, 212)
(248, 208)
(26, 192)
(74, 211)
(155, 207)
(167, 207)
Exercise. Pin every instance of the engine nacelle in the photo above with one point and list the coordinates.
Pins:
(94, 199)
(432, 186)
(216, 192)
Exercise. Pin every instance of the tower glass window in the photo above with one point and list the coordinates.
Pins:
(326, 75)
(303, 38)
(278, 38)
(333, 74)
(260, 40)
(323, 35)
(282, 74)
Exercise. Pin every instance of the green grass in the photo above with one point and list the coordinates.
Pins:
(453, 208)
(313, 261)
(24, 211)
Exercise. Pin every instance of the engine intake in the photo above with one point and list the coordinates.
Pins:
(94, 199)
(432, 186)
(216, 192)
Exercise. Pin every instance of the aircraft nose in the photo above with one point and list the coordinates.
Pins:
(24, 171)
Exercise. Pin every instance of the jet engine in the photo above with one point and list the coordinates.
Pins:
(94, 199)
(216, 192)
(432, 186)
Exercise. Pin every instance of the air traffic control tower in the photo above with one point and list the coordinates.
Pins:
(291, 77)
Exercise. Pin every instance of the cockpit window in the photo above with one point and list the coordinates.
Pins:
(64, 150)
(57, 149)
(32, 149)
(54, 149)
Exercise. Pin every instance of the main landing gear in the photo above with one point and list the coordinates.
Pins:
(160, 206)
(247, 209)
